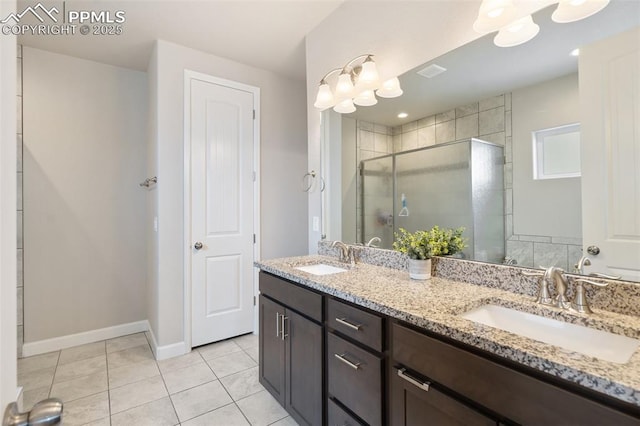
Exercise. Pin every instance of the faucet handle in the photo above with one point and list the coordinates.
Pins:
(580, 303)
(609, 277)
(544, 296)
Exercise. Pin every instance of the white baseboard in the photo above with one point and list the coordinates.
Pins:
(63, 342)
(166, 351)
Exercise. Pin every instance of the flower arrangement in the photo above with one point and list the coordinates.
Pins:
(422, 245)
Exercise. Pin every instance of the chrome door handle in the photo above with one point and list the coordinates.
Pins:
(198, 245)
(47, 412)
(354, 365)
(402, 372)
(277, 324)
(349, 324)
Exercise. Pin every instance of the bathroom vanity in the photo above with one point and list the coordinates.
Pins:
(369, 346)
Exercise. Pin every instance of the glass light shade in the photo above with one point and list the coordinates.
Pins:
(366, 98)
(345, 107)
(390, 89)
(344, 88)
(493, 15)
(518, 32)
(368, 77)
(574, 10)
(324, 99)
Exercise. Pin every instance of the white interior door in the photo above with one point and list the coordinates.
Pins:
(222, 211)
(610, 127)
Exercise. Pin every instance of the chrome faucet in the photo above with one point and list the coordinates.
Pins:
(373, 242)
(554, 275)
(346, 252)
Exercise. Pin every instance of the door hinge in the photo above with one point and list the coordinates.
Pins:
(254, 301)
(254, 238)
(254, 176)
(254, 114)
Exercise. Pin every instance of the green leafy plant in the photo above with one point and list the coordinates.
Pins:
(426, 244)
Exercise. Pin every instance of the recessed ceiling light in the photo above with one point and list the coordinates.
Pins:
(575, 52)
(403, 115)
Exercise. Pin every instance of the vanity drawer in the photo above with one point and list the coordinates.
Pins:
(291, 295)
(355, 323)
(514, 395)
(336, 416)
(355, 379)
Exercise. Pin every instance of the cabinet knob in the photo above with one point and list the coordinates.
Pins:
(198, 245)
(593, 250)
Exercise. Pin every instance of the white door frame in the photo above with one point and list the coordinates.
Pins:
(193, 75)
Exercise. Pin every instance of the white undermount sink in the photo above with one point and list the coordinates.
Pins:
(321, 269)
(576, 338)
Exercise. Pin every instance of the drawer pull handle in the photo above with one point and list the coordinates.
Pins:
(351, 325)
(277, 324)
(283, 325)
(342, 358)
(402, 372)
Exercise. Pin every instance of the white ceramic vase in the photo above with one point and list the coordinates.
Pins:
(420, 269)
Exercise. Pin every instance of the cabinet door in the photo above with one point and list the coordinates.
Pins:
(304, 369)
(272, 349)
(415, 405)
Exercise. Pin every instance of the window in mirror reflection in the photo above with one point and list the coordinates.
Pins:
(556, 152)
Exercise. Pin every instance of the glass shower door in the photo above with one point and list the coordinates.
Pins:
(376, 206)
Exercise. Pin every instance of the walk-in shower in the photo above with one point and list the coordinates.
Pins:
(449, 185)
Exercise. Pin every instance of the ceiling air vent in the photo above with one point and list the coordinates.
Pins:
(431, 71)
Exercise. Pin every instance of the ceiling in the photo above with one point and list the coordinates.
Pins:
(480, 69)
(261, 33)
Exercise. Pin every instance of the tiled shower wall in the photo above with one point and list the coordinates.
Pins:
(489, 120)
(19, 204)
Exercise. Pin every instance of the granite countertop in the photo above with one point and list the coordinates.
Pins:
(435, 305)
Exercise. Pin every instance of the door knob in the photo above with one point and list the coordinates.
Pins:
(593, 250)
(197, 245)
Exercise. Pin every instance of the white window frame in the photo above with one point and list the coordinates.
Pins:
(538, 137)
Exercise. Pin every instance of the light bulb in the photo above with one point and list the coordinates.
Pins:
(345, 107)
(390, 89)
(493, 15)
(344, 88)
(368, 77)
(366, 98)
(518, 32)
(574, 10)
(324, 99)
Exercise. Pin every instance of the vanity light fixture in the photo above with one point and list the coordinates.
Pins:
(514, 29)
(357, 84)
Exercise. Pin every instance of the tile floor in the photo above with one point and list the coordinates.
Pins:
(118, 382)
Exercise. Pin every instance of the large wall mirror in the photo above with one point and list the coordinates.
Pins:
(506, 142)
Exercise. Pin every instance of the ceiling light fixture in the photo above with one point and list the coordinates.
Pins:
(357, 84)
(403, 115)
(575, 52)
(513, 29)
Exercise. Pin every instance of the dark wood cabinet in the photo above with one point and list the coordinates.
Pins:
(330, 362)
(511, 396)
(272, 349)
(291, 349)
(415, 401)
(304, 369)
